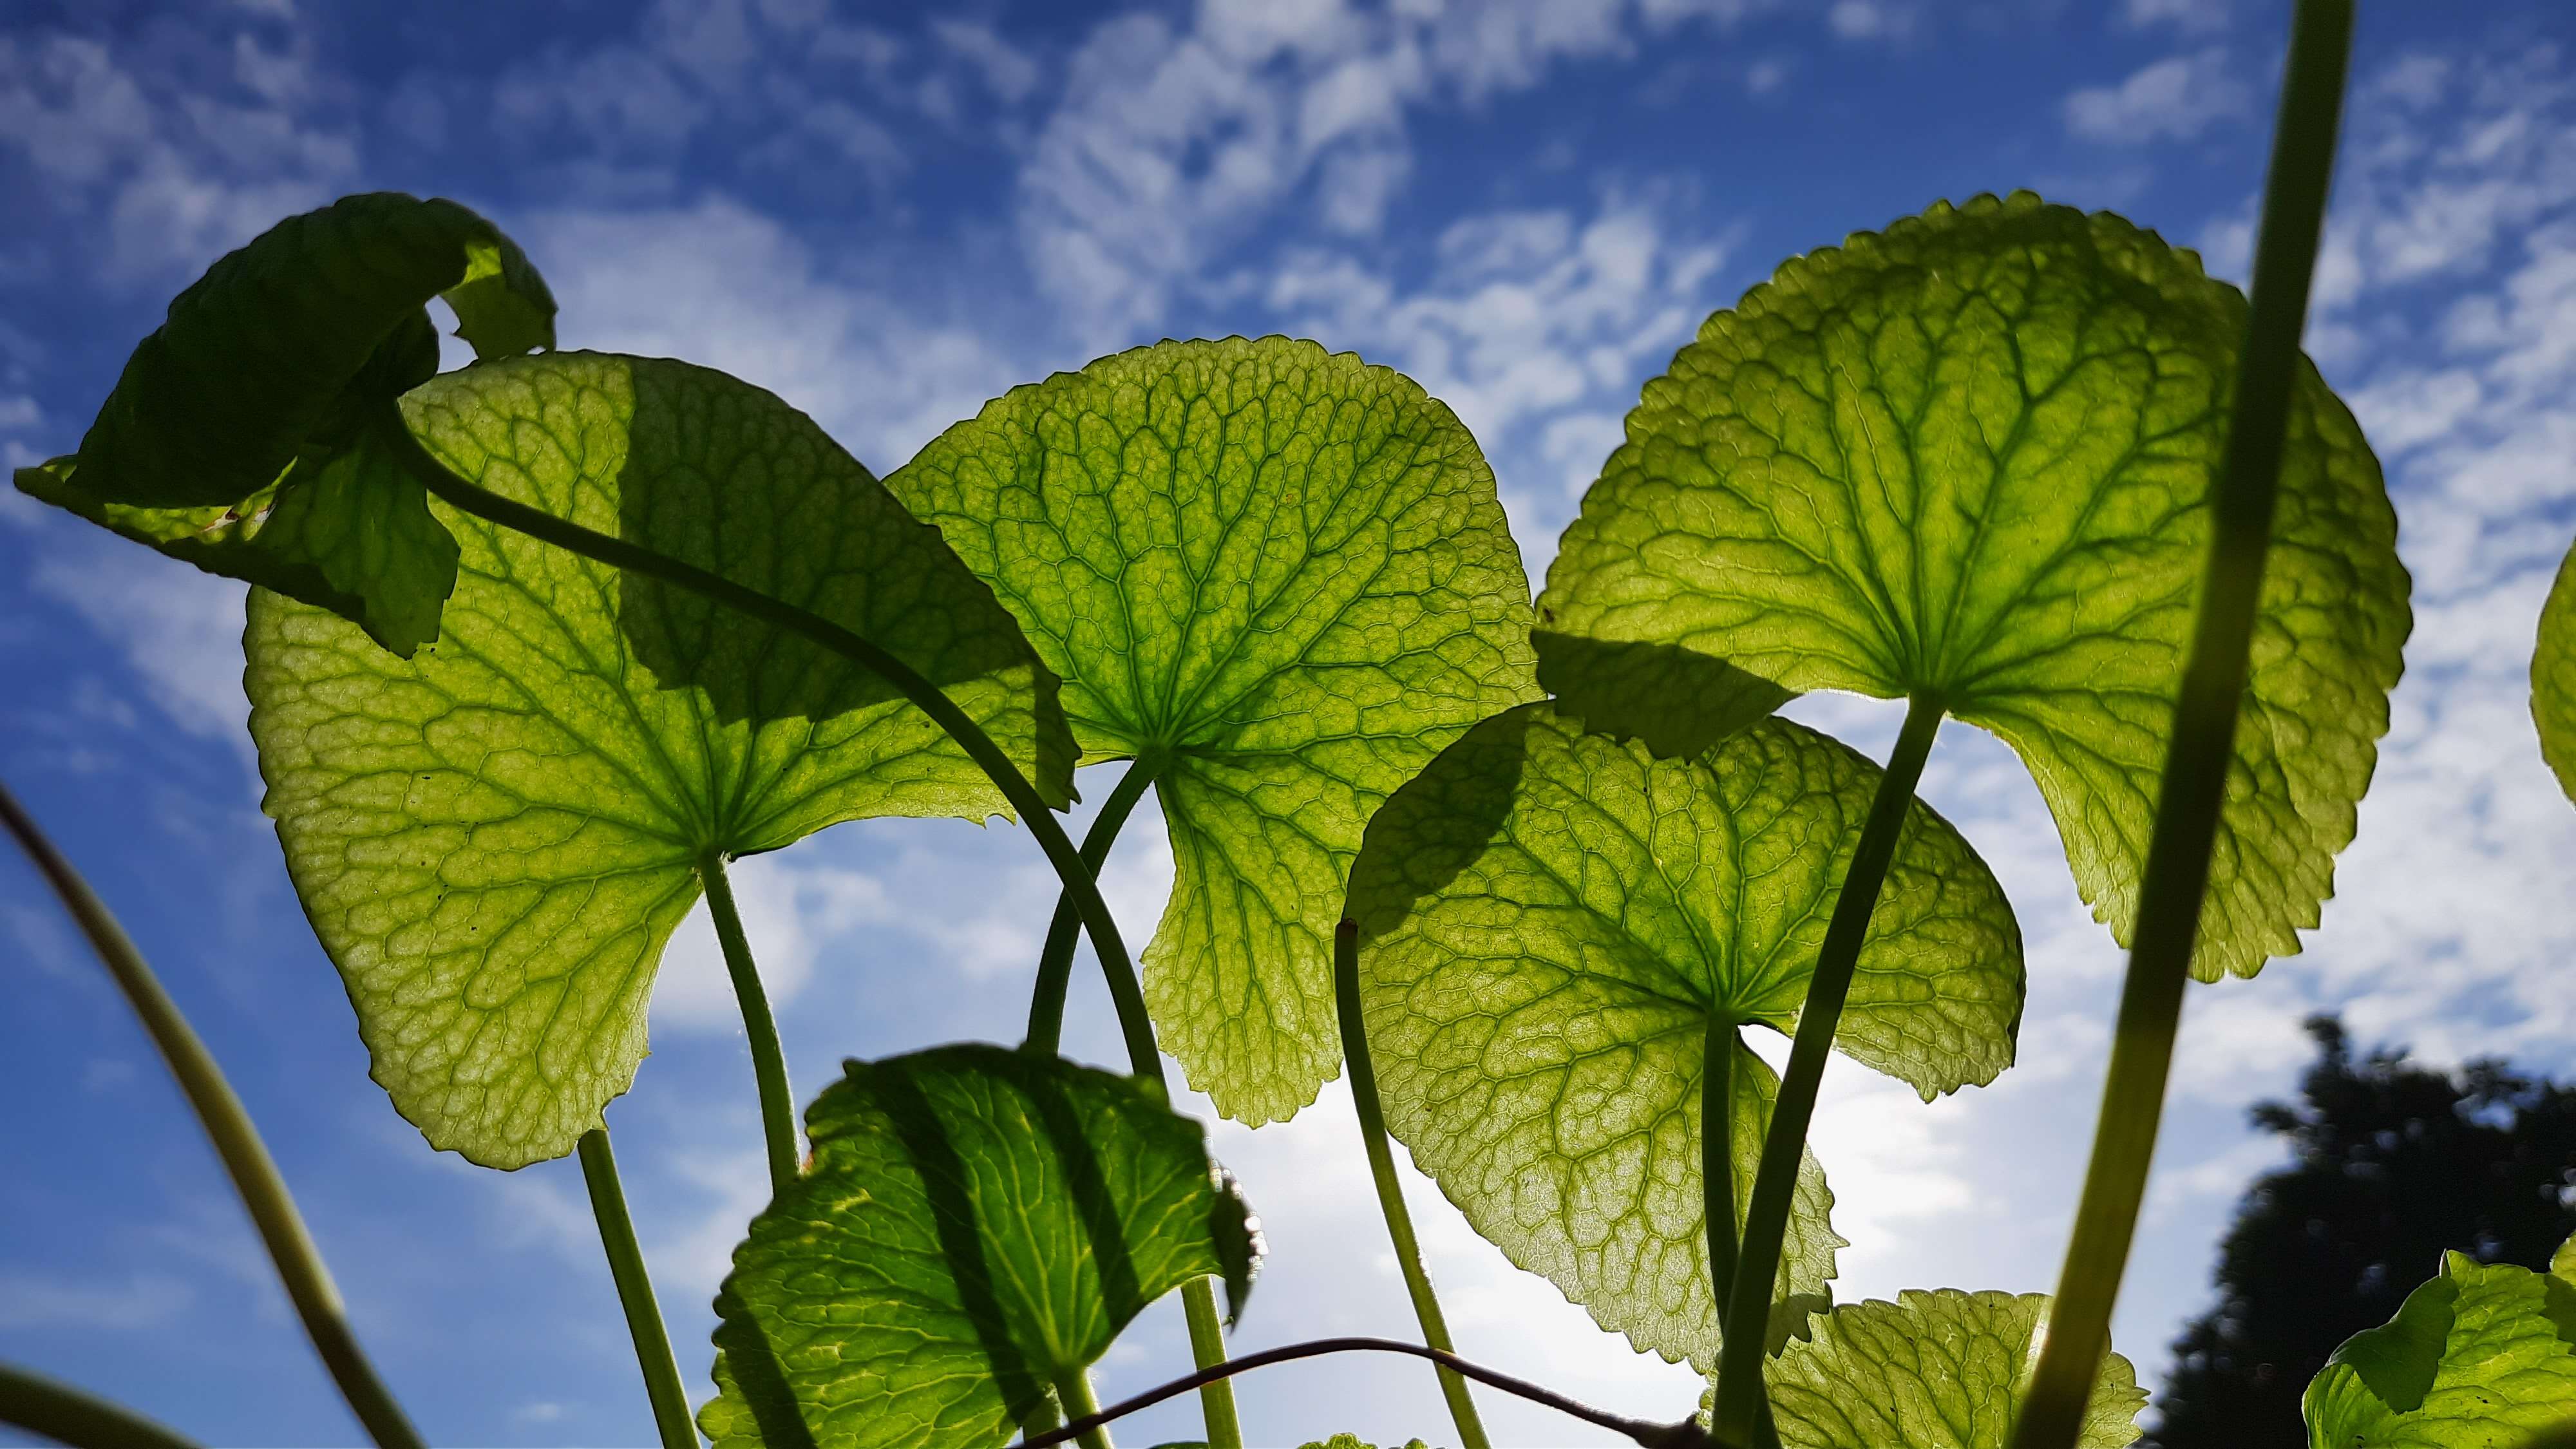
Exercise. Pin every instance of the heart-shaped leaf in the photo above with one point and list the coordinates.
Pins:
(1549, 920)
(976, 1227)
(495, 838)
(1281, 580)
(1934, 1370)
(1969, 459)
(243, 437)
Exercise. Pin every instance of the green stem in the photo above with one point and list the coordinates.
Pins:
(1766, 1221)
(1207, 1350)
(1074, 1390)
(943, 711)
(66, 1415)
(2196, 765)
(768, 1063)
(1390, 1192)
(1055, 962)
(635, 1293)
(1717, 1150)
(237, 1143)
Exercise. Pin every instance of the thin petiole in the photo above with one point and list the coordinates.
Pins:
(1055, 962)
(768, 1062)
(1074, 1391)
(1739, 1399)
(635, 1293)
(1686, 1434)
(1390, 1191)
(237, 1143)
(2197, 763)
(1716, 1151)
(67, 1415)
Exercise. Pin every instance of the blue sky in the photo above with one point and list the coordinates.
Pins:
(889, 214)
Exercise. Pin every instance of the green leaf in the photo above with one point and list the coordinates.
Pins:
(495, 838)
(977, 1225)
(2553, 677)
(1353, 1441)
(1970, 458)
(1549, 920)
(1279, 578)
(1679, 702)
(2483, 1355)
(244, 434)
(1933, 1370)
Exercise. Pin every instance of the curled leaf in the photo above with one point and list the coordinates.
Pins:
(976, 1227)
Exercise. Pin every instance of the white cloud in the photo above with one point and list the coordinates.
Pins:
(2192, 16)
(1007, 70)
(1535, 332)
(790, 912)
(41, 1301)
(1175, 142)
(177, 175)
(2178, 97)
(180, 629)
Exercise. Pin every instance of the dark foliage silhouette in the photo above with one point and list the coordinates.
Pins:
(2394, 1163)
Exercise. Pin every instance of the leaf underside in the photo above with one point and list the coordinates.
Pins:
(2484, 1354)
(1548, 920)
(1970, 458)
(1940, 1369)
(243, 434)
(977, 1225)
(1282, 579)
(2553, 677)
(495, 838)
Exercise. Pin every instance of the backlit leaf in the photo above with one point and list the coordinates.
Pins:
(977, 1225)
(495, 838)
(2553, 677)
(2483, 1355)
(245, 435)
(1282, 580)
(1548, 921)
(1970, 458)
(1933, 1370)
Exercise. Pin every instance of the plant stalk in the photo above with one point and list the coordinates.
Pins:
(1390, 1191)
(66, 1415)
(1055, 962)
(237, 1142)
(1717, 1151)
(759, 1028)
(1074, 1390)
(1023, 797)
(1739, 1402)
(635, 1293)
(2196, 764)
(1686, 1434)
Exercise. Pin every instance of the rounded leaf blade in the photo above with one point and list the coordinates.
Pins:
(1970, 458)
(1281, 578)
(1549, 919)
(494, 839)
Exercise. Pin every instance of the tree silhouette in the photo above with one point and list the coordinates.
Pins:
(2395, 1163)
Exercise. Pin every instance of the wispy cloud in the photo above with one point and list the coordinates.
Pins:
(2176, 98)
